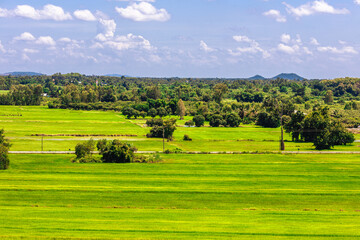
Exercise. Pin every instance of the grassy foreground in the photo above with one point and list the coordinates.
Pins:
(185, 196)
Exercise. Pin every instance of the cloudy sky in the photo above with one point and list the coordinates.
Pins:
(184, 38)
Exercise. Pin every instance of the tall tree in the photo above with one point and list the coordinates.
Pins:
(329, 97)
(181, 110)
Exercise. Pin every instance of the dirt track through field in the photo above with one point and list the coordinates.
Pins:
(149, 152)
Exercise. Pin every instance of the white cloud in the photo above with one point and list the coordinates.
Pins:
(29, 50)
(26, 36)
(314, 41)
(343, 50)
(108, 29)
(205, 47)
(357, 2)
(2, 49)
(129, 41)
(310, 8)
(65, 40)
(142, 12)
(240, 38)
(285, 38)
(46, 40)
(84, 15)
(49, 11)
(276, 15)
(4, 12)
(292, 46)
(253, 48)
(288, 49)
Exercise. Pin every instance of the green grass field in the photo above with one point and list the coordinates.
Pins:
(184, 197)
(20, 123)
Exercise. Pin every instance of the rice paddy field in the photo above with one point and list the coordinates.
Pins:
(22, 123)
(185, 196)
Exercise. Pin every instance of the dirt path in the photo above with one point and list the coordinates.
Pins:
(149, 152)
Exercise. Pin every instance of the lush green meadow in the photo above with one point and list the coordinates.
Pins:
(20, 123)
(185, 196)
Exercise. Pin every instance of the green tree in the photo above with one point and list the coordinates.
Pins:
(329, 97)
(117, 152)
(216, 120)
(232, 120)
(84, 150)
(180, 109)
(315, 123)
(4, 148)
(199, 120)
(220, 90)
(166, 130)
(295, 125)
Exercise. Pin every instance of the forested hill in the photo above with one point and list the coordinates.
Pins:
(18, 74)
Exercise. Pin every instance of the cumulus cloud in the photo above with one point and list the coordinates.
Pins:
(108, 29)
(142, 12)
(276, 15)
(285, 38)
(84, 15)
(343, 50)
(49, 12)
(26, 36)
(65, 40)
(129, 41)
(310, 8)
(288, 49)
(205, 47)
(253, 48)
(292, 46)
(314, 41)
(357, 2)
(45, 40)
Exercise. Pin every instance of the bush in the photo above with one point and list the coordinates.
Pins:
(190, 123)
(117, 152)
(187, 138)
(88, 159)
(4, 158)
(232, 120)
(199, 120)
(216, 120)
(153, 158)
(4, 148)
(83, 150)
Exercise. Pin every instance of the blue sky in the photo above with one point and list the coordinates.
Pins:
(184, 38)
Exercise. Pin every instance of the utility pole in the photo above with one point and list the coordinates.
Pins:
(282, 143)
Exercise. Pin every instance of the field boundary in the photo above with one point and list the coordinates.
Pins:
(240, 153)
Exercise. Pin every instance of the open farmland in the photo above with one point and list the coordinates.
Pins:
(22, 123)
(185, 196)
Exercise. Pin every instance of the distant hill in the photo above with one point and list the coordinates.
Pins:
(19, 74)
(115, 75)
(289, 76)
(257, 77)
